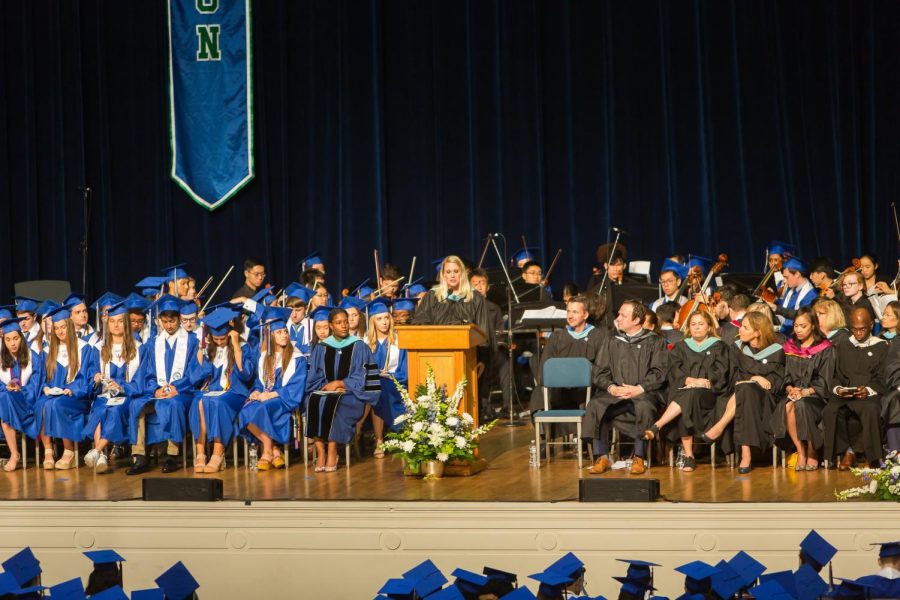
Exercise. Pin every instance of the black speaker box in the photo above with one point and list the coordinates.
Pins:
(618, 490)
(182, 489)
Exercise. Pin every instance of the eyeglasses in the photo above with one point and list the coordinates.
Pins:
(258, 274)
(534, 273)
(188, 319)
(849, 284)
(668, 280)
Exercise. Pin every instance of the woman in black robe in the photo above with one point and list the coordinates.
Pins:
(698, 374)
(809, 362)
(757, 364)
(452, 301)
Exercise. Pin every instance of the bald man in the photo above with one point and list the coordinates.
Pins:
(855, 398)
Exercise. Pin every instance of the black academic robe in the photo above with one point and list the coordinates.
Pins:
(562, 345)
(861, 302)
(803, 372)
(856, 365)
(728, 332)
(890, 400)
(641, 359)
(697, 404)
(753, 404)
(433, 312)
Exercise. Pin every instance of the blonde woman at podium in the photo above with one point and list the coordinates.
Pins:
(452, 301)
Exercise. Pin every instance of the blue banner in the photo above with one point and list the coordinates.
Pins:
(211, 98)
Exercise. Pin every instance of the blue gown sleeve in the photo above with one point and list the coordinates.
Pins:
(316, 380)
(355, 381)
(402, 372)
(33, 388)
(246, 371)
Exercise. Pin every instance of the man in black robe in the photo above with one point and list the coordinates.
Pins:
(855, 394)
(737, 308)
(630, 375)
(890, 402)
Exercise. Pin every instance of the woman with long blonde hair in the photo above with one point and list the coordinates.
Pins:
(452, 301)
(61, 409)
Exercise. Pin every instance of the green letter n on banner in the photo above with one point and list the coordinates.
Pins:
(208, 42)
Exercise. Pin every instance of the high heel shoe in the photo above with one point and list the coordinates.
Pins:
(652, 433)
(66, 461)
(200, 463)
(707, 439)
(335, 467)
(278, 461)
(216, 463)
(264, 463)
(745, 470)
(49, 460)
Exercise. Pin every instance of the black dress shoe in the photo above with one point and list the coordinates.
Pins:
(744, 470)
(170, 466)
(140, 465)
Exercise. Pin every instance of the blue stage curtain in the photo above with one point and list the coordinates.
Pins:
(416, 126)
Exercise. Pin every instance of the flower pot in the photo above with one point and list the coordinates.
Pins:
(410, 471)
(433, 468)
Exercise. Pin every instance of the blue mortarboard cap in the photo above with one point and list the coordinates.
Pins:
(522, 593)
(697, 573)
(148, 594)
(492, 573)
(276, 317)
(166, 303)
(888, 549)
(177, 582)
(451, 592)
(635, 586)
(46, 307)
(364, 291)
(796, 264)
(552, 583)
(263, 295)
(72, 589)
(524, 254)
(116, 309)
(10, 324)
(771, 590)
(808, 584)
(426, 578)
(747, 567)
(73, 300)
(7, 312)
(405, 304)
(568, 565)
(781, 248)
(29, 592)
(436, 263)
(700, 261)
(26, 304)
(353, 302)
(850, 589)
(469, 582)
(414, 290)
(174, 272)
(153, 282)
(674, 267)
(312, 258)
(23, 566)
(188, 307)
(726, 582)
(783, 578)
(102, 557)
(817, 549)
(113, 593)
(8, 584)
(295, 290)
(107, 299)
(378, 306)
(136, 302)
(321, 313)
(218, 322)
(59, 314)
(397, 588)
(355, 291)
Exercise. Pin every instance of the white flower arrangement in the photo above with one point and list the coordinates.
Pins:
(879, 484)
(433, 429)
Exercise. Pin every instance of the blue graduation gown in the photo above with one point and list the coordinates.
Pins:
(113, 420)
(300, 335)
(881, 586)
(793, 300)
(390, 404)
(64, 416)
(169, 420)
(351, 403)
(220, 411)
(17, 408)
(273, 416)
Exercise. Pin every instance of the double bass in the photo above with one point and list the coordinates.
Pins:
(703, 305)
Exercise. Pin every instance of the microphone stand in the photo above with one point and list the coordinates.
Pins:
(510, 293)
(85, 196)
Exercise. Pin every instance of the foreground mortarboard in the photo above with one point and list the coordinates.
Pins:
(113, 593)
(59, 314)
(634, 585)
(771, 590)
(524, 254)
(174, 272)
(73, 299)
(850, 589)
(450, 592)
(295, 290)
(46, 307)
(352, 302)
(148, 594)
(177, 582)
(166, 303)
(747, 567)
(312, 258)
(808, 583)
(492, 573)
(795, 263)
(26, 304)
(218, 322)
(522, 593)
(604, 598)
(671, 266)
(888, 549)
(378, 306)
(72, 589)
(23, 566)
(696, 574)
(398, 588)
(107, 299)
(426, 578)
(552, 582)
(10, 324)
(781, 248)
(726, 582)
(321, 313)
(785, 579)
(102, 557)
(817, 549)
(469, 582)
(568, 565)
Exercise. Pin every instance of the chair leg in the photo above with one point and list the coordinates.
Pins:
(649, 453)
(234, 451)
(347, 455)
(24, 454)
(578, 443)
(671, 458)
(246, 453)
(783, 459)
(712, 455)
(774, 456)
(537, 442)
(287, 455)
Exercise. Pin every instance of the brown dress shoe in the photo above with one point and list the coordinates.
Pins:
(847, 460)
(637, 466)
(601, 465)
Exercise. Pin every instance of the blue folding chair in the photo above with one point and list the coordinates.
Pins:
(562, 373)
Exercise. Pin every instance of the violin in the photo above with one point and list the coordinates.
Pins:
(694, 305)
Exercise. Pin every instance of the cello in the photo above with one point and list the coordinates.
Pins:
(693, 305)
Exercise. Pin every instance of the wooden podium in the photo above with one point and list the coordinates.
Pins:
(450, 350)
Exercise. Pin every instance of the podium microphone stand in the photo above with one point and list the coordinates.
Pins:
(510, 294)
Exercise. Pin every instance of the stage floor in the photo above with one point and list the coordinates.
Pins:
(507, 479)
